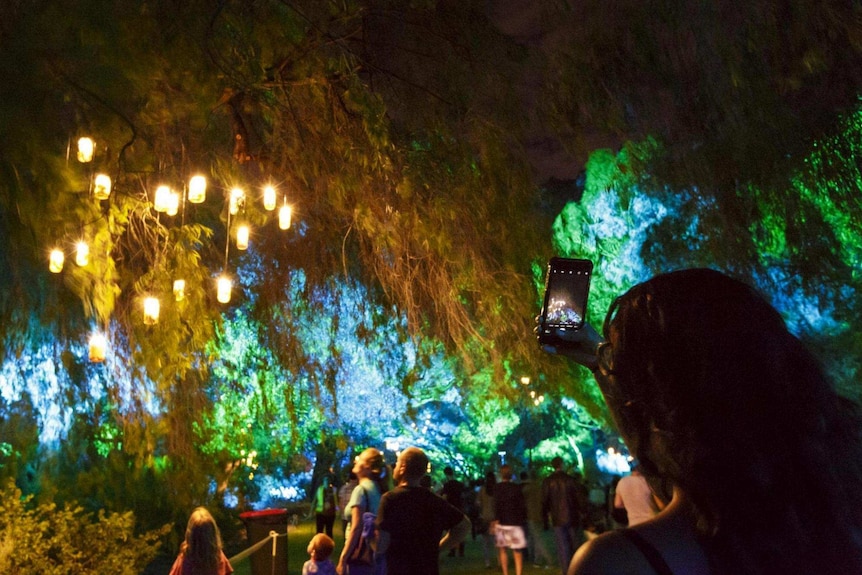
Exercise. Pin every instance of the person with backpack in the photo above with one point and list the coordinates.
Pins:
(371, 472)
(412, 521)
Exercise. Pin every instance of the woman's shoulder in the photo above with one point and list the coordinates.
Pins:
(608, 553)
(626, 550)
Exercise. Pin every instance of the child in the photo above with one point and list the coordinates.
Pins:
(319, 549)
(201, 552)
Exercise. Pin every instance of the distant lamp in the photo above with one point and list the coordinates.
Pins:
(173, 204)
(224, 288)
(82, 254)
(197, 189)
(284, 215)
(56, 260)
(269, 198)
(242, 233)
(151, 310)
(98, 347)
(237, 196)
(86, 147)
(179, 290)
(102, 187)
(162, 200)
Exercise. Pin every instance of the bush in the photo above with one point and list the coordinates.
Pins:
(45, 540)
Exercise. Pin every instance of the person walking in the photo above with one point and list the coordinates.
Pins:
(412, 521)
(325, 503)
(536, 545)
(486, 513)
(510, 518)
(633, 494)
(562, 508)
(453, 492)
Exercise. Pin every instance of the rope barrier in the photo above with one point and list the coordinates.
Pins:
(243, 554)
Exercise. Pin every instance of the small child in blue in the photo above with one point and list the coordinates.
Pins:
(319, 549)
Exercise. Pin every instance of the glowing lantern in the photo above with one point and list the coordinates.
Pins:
(284, 217)
(173, 204)
(55, 263)
(197, 189)
(98, 347)
(224, 287)
(86, 147)
(162, 199)
(82, 254)
(237, 195)
(179, 290)
(269, 198)
(102, 187)
(151, 310)
(242, 237)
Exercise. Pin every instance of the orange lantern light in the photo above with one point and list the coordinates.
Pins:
(102, 187)
(197, 189)
(97, 348)
(284, 215)
(86, 149)
(224, 288)
(242, 233)
(56, 261)
(269, 198)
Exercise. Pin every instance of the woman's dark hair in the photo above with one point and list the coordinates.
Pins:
(715, 395)
(202, 546)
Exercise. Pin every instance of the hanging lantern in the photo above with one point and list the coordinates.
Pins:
(179, 290)
(86, 147)
(242, 233)
(173, 204)
(151, 310)
(55, 263)
(237, 196)
(102, 187)
(269, 198)
(284, 215)
(224, 287)
(82, 254)
(197, 189)
(98, 347)
(162, 199)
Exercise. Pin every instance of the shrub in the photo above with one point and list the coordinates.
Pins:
(45, 540)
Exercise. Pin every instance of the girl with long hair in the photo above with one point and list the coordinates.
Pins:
(201, 552)
(713, 394)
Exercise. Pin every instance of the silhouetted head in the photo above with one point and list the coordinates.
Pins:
(711, 391)
(412, 465)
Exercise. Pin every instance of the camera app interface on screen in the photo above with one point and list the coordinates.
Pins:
(566, 297)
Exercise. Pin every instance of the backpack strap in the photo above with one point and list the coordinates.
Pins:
(650, 553)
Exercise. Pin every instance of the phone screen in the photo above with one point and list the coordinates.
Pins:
(566, 290)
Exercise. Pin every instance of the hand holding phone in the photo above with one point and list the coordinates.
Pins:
(565, 304)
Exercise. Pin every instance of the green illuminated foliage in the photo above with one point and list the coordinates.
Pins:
(50, 540)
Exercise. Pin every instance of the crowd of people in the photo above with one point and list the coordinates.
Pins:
(715, 398)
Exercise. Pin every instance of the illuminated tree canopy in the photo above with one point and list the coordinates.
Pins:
(400, 302)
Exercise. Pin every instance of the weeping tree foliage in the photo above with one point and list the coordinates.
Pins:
(385, 126)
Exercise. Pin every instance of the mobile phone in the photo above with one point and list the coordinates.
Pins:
(565, 305)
